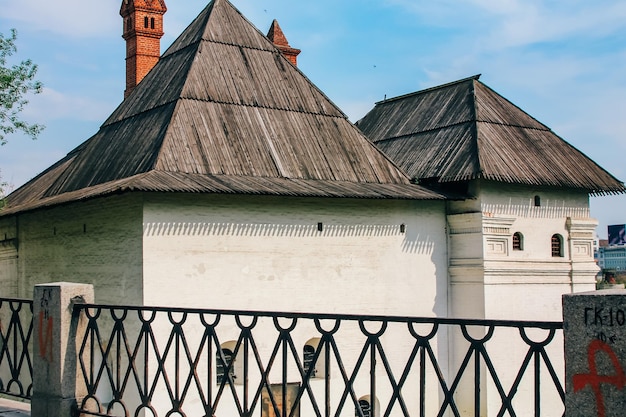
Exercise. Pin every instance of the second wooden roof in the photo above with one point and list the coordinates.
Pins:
(464, 130)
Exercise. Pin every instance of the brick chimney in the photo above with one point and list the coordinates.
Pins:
(278, 38)
(143, 29)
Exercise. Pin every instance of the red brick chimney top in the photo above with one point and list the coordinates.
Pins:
(279, 39)
(155, 6)
(143, 29)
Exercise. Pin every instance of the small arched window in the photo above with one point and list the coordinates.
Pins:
(537, 201)
(145, 22)
(316, 366)
(365, 408)
(557, 246)
(226, 364)
(152, 23)
(518, 241)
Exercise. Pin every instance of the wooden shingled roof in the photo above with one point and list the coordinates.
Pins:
(464, 130)
(222, 112)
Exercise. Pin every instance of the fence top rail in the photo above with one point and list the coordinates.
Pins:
(16, 300)
(547, 325)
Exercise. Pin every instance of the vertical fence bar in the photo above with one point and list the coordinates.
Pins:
(373, 344)
(422, 381)
(327, 347)
(537, 384)
(476, 382)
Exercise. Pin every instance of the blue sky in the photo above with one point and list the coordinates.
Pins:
(563, 62)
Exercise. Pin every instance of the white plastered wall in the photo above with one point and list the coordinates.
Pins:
(489, 279)
(483, 262)
(96, 242)
(266, 253)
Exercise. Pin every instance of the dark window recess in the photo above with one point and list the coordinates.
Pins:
(557, 246)
(152, 23)
(518, 241)
(145, 22)
(537, 201)
(365, 409)
(309, 354)
(222, 365)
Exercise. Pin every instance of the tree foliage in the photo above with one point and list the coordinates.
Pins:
(16, 82)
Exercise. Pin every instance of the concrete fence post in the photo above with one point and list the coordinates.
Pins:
(594, 326)
(55, 367)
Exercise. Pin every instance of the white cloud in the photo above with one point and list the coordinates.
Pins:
(65, 17)
(53, 105)
(517, 23)
(532, 22)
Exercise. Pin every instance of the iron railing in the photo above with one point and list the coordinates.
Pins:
(188, 362)
(16, 329)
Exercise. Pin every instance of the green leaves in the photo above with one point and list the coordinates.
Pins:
(16, 82)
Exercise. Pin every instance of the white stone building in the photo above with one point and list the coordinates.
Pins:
(524, 230)
(227, 180)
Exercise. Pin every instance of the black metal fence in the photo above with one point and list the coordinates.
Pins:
(16, 330)
(187, 362)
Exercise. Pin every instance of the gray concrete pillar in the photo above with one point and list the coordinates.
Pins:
(595, 353)
(55, 368)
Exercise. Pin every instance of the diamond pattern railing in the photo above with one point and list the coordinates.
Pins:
(186, 362)
(16, 329)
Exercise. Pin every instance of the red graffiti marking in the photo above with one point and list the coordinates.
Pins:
(592, 378)
(45, 337)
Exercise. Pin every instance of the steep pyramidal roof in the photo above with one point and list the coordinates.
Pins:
(464, 130)
(222, 112)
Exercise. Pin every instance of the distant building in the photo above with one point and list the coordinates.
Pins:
(611, 253)
(612, 258)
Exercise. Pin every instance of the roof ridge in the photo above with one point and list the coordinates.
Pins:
(512, 104)
(428, 90)
(544, 129)
(424, 131)
(133, 115)
(476, 155)
(229, 103)
(434, 129)
(260, 106)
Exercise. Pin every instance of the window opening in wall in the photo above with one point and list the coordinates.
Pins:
(226, 361)
(145, 22)
(537, 201)
(222, 365)
(557, 246)
(364, 405)
(308, 356)
(518, 241)
(152, 23)
(365, 408)
(309, 350)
